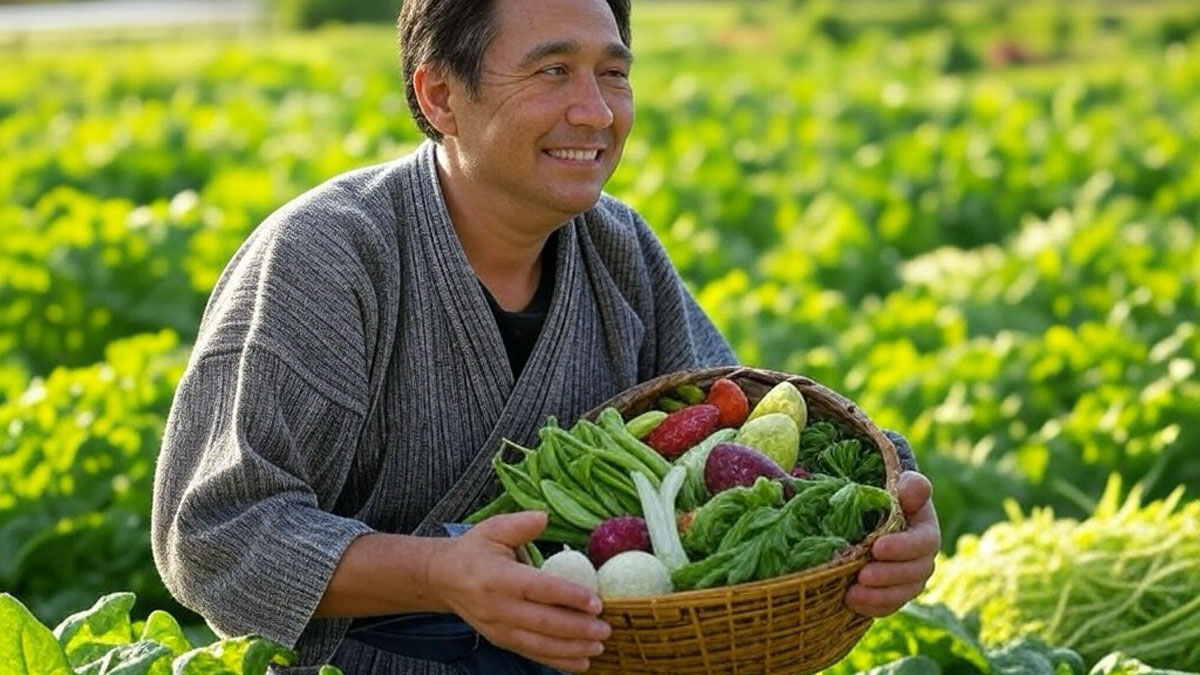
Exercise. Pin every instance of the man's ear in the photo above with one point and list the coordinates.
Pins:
(432, 87)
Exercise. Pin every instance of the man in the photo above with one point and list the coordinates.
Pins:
(371, 343)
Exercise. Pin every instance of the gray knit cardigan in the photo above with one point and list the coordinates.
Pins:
(348, 372)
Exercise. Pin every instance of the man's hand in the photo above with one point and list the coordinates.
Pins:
(903, 560)
(514, 606)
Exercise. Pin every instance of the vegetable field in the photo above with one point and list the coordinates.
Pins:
(979, 220)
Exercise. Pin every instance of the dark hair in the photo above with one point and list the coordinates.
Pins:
(454, 34)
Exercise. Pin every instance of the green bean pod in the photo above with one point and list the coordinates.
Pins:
(612, 424)
(503, 503)
(512, 478)
(564, 504)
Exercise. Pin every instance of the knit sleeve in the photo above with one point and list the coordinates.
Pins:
(242, 530)
(265, 425)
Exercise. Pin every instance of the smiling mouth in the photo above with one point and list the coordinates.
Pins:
(575, 155)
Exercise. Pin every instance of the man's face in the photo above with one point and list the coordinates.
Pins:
(554, 107)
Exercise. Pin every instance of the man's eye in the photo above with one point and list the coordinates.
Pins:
(616, 72)
(556, 71)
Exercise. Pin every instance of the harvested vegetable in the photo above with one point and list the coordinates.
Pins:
(857, 509)
(732, 465)
(617, 535)
(659, 509)
(633, 573)
(782, 398)
(826, 449)
(694, 492)
(710, 522)
(730, 400)
(573, 566)
(775, 435)
(745, 534)
(643, 424)
(683, 428)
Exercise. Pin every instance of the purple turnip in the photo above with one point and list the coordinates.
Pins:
(732, 465)
(616, 535)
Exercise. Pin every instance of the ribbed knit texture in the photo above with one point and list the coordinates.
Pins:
(348, 372)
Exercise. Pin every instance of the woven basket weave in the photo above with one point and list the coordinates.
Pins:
(795, 624)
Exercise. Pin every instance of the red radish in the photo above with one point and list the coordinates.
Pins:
(684, 428)
(732, 465)
(617, 535)
(730, 400)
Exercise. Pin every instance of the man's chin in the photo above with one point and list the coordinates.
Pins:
(575, 204)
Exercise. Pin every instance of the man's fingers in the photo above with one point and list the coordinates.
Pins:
(512, 529)
(881, 601)
(547, 649)
(883, 574)
(911, 544)
(547, 589)
(913, 491)
(556, 622)
(922, 538)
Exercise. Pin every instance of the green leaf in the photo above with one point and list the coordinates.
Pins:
(164, 629)
(145, 657)
(329, 670)
(26, 646)
(1027, 657)
(856, 509)
(713, 521)
(939, 630)
(247, 655)
(909, 665)
(86, 636)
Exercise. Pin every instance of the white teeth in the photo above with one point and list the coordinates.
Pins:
(575, 155)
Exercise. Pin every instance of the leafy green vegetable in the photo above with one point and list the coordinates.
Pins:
(26, 646)
(761, 539)
(856, 510)
(88, 635)
(76, 466)
(99, 641)
(932, 639)
(1029, 656)
(145, 657)
(825, 449)
(248, 654)
(719, 514)
(851, 459)
(812, 551)
(909, 665)
(162, 628)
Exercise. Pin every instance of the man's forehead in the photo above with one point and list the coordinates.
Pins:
(546, 21)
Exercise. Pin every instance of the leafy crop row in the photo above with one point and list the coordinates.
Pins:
(998, 258)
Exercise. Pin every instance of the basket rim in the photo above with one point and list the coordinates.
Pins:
(845, 562)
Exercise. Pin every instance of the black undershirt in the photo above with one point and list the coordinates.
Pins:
(520, 329)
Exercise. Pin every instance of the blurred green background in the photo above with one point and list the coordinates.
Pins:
(976, 219)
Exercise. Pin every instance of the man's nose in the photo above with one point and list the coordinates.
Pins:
(588, 107)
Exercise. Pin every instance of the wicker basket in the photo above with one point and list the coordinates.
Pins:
(795, 624)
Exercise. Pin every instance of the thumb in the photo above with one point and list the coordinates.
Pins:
(913, 491)
(513, 529)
